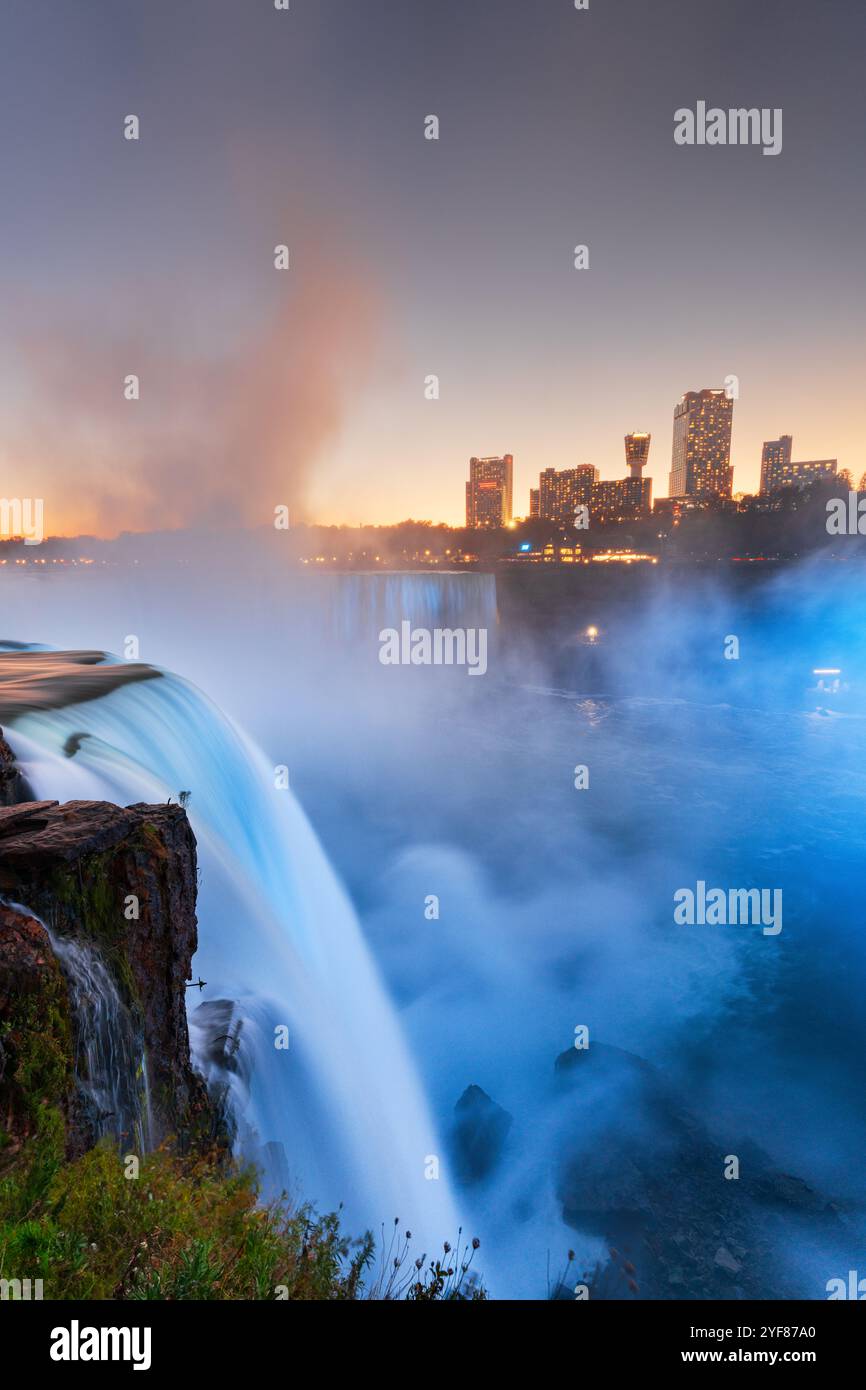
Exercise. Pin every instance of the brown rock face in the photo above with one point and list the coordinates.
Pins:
(35, 1032)
(118, 884)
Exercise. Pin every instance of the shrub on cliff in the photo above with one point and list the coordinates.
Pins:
(187, 1229)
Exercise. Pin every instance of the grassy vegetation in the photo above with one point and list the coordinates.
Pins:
(191, 1229)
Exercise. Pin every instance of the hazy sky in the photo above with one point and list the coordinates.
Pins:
(411, 257)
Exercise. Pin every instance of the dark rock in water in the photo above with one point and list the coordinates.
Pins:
(220, 1030)
(13, 787)
(73, 744)
(218, 1037)
(603, 1067)
(786, 1192)
(606, 1188)
(642, 1172)
(480, 1130)
(117, 887)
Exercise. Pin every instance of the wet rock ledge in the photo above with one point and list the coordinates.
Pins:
(116, 889)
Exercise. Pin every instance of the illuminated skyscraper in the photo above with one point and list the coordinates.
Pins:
(620, 499)
(637, 447)
(775, 459)
(701, 458)
(489, 491)
(561, 492)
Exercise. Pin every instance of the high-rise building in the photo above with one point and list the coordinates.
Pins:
(812, 470)
(533, 502)
(489, 491)
(775, 459)
(637, 447)
(778, 471)
(561, 492)
(701, 457)
(620, 499)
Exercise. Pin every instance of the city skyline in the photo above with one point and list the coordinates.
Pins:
(411, 258)
(700, 468)
(701, 446)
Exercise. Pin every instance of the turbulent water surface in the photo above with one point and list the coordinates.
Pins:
(555, 905)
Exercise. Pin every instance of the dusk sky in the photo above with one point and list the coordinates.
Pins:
(411, 257)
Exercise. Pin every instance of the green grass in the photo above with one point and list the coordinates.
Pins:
(193, 1229)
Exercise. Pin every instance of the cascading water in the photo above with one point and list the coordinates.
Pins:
(278, 936)
(110, 1059)
(362, 604)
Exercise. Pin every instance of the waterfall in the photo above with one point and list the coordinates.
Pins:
(362, 604)
(341, 1105)
(110, 1061)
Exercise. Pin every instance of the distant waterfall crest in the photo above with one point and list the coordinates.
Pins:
(363, 604)
(278, 936)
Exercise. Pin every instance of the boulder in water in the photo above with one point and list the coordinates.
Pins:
(13, 787)
(480, 1130)
(640, 1170)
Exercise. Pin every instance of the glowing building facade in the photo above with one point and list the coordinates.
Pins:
(561, 492)
(701, 456)
(637, 447)
(489, 491)
(778, 470)
(620, 499)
